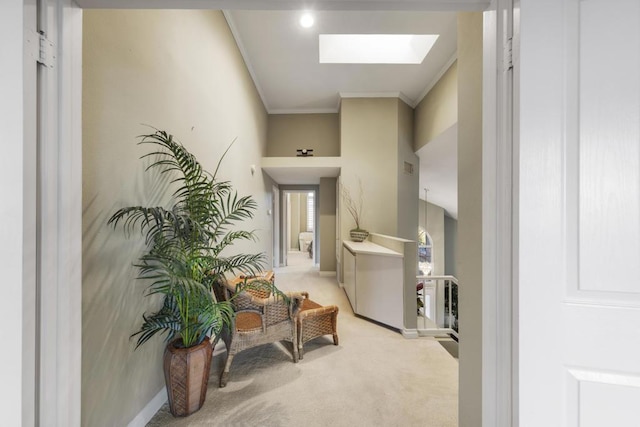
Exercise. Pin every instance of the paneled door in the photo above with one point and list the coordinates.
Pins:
(578, 267)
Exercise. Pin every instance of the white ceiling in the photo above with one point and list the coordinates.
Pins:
(283, 57)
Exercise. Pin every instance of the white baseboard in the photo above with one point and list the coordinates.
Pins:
(410, 333)
(150, 410)
(327, 273)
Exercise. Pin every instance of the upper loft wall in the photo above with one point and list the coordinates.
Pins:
(180, 71)
(438, 110)
(369, 145)
(288, 132)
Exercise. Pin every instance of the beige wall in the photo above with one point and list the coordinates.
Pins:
(369, 146)
(408, 185)
(327, 223)
(470, 215)
(437, 111)
(288, 132)
(450, 246)
(176, 70)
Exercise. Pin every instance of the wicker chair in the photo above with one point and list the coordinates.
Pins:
(315, 320)
(260, 319)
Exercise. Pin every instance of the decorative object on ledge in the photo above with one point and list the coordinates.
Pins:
(354, 207)
(304, 152)
(359, 235)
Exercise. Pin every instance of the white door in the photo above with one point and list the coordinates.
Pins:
(579, 213)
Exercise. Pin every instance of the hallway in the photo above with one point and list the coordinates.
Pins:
(375, 377)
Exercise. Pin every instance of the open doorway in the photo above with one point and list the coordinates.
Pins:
(316, 240)
(299, 227)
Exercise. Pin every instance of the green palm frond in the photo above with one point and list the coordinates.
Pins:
(166, 320)
(185, 241)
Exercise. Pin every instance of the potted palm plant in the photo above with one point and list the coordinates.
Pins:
(184, 260)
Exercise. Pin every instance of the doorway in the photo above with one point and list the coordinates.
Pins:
(298, 221)
(76, 283)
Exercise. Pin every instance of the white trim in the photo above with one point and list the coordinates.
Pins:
(499, 248)
(150, 409)
(60, 220)
(327, 273)
(437, 78)
(399, 95)
(489, 219)
(14, 253)
(427, 5)
(245, 56)
(303, 111)
(409, 334)
(70, 220)
(437, 332)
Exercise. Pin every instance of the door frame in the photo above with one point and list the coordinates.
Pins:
(301, 188)
(500, 188)
(499, 211)
(275, 231)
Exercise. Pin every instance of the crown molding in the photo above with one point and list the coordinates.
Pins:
(304, 111)
(399, 95)
(409, 5)
(245, 57)
(437, 78)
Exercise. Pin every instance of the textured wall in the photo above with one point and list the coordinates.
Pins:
(179, 71)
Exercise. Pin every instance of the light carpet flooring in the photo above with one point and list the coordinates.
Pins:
(375, 377)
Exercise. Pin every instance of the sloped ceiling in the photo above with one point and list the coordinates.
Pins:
(283, 57)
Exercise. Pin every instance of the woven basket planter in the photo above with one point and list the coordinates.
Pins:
(358, 235)
(186, 373)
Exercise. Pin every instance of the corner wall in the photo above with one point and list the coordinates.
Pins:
(327, 224)
(470, 216)
(179, 71)
(408, 181)
(438, 111)
(369, 147)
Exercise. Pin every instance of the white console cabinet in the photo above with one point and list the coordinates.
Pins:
(374, 282)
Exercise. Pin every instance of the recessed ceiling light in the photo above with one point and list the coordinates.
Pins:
(375, 48)
(306, 20)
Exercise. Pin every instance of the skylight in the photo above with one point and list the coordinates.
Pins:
(375, 48)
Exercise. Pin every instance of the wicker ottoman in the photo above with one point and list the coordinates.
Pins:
(315, 320)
